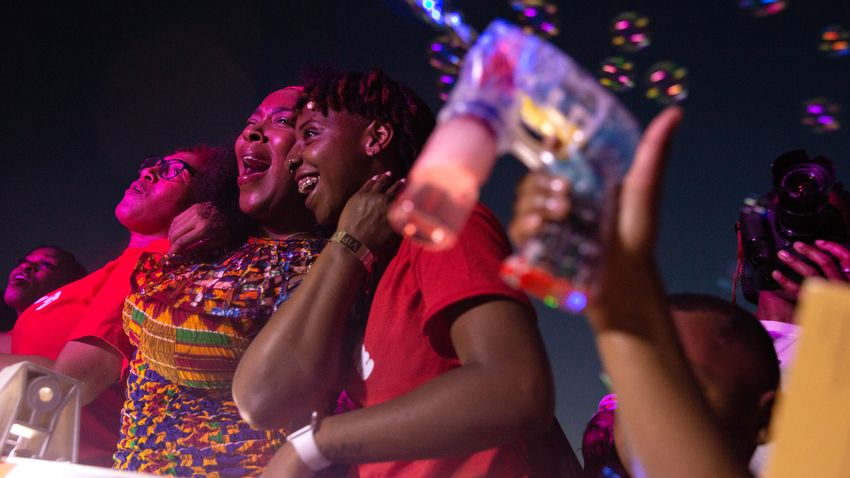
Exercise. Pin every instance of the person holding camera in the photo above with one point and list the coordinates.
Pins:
(800, 229)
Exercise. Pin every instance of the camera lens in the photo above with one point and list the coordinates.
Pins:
(803, 195)
(806, 188)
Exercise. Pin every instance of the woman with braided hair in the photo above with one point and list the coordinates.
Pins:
(449, 376)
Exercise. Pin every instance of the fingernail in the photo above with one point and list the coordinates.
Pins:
(776, 275)
(558, 184)
(403, 180)
(388, 173)
(375, 177)
(533, 220)
(820, 242)
(783, 255)
(552, 204)
(799, 246)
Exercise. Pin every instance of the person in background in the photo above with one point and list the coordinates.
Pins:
(41, 270)
(597, 442)
(731, 356)
(825, 259)
(77, 329)
(8, 316)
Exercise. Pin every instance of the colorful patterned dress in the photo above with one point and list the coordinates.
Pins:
(191, 323)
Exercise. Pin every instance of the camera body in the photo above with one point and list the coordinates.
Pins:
(798, 208)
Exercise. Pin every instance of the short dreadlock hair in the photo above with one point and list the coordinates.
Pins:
(376, 97)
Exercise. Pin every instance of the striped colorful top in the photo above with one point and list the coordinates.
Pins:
(191, 323)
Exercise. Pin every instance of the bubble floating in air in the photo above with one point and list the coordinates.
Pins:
(835, 41)
(616, 73)
(445, 83)
(666, 82)
(821, 115)
(539, 17)
(763, 8)
(446, 54)
(630, 31)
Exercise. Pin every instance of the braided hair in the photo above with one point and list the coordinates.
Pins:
(376, 97)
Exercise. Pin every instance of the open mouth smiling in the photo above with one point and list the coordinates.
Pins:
(307, 184)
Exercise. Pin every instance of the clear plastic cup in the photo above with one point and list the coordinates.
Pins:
(518, 94)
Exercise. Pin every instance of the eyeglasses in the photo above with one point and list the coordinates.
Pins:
(167, 169)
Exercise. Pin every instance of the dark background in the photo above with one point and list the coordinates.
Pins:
(90, 89)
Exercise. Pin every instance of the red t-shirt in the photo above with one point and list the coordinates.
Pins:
(87, 308)
(407, 343)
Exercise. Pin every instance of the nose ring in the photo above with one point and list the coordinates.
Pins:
(293, 164)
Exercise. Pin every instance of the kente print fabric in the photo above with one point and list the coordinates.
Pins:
(190, 324)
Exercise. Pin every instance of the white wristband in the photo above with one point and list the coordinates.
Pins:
(304, 444)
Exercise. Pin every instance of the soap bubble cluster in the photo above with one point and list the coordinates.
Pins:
(666, 82)
(446, 55)
(763, 8)
(834, 41)
(616, 73)
(821, 115)
(539, 17)
(630, 31)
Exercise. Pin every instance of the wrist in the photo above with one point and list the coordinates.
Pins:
(353, 245)
(303, 441)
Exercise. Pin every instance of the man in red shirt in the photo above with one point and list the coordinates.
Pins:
(41, 270)
(77, 329)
